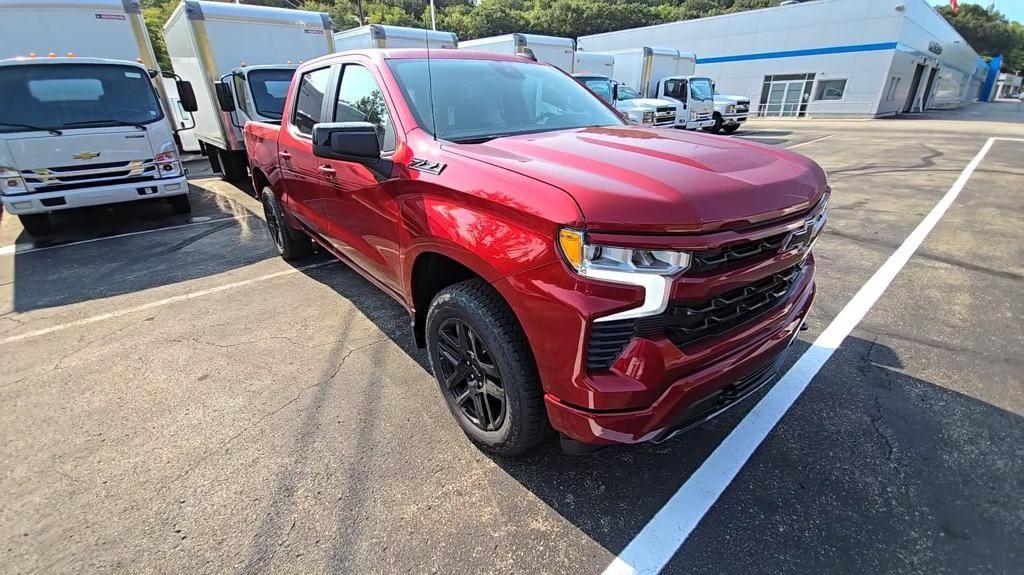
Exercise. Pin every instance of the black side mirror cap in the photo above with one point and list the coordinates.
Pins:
(346, 141)
(186, 95)
(225, 99)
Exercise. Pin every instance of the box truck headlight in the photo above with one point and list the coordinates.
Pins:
(693, 115)
(167, 160)
(730, 109)
(652, 270)
(10, 181)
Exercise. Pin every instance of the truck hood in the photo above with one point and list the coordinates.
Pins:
(112, 145)
(649, 103)
(646, 180)
(730, 99)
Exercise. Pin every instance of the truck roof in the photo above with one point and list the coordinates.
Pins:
(23, 61)
(202, 10)
(384, 31)
(420, 53)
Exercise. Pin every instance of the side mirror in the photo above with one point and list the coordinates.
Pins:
(615, 92)
(225, 99)
(346, 141)
(186, 95)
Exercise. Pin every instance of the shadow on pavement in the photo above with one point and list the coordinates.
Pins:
(116, 266)
(871, 462)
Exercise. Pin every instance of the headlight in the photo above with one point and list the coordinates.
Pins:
(693, 115)
(730, 109)
(648, 117)
(167, 160)
(11, 181)
(651, 269)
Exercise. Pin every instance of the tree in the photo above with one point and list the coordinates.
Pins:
(989, 33)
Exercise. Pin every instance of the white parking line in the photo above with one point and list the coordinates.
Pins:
(821, 139)
(26, 248)
(156, 304)
(658, 541)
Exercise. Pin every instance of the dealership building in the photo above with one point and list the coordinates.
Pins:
(825, 58)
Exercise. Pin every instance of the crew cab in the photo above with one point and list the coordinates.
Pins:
(564, 270)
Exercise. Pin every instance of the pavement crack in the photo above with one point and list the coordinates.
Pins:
(878, 431)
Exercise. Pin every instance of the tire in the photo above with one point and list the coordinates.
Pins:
(180, 204)
(499, 360)
(717, 127)
(36, 225)
(731, 128)
(291, 243)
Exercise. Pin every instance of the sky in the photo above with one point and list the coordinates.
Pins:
(1012, 9)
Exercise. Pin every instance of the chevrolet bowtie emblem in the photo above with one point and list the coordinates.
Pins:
(86, 155)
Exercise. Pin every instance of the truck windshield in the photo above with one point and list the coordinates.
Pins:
(627, 93)
(67, 96)
(602, 88)
(700, 89)
(476, 100)
(269, 88)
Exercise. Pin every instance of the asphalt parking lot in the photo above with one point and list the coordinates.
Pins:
(177, 399)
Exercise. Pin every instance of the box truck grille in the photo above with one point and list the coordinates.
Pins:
(71, 177)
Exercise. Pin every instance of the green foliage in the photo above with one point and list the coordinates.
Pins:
(989, 33)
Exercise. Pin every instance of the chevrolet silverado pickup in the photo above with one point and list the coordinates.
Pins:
(564, 270)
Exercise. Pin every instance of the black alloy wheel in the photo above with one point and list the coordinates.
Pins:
(292, 244)
(471, 379)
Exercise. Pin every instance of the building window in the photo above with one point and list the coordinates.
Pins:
(830, 89)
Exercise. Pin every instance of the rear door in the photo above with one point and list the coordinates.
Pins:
(362, 208)
(300, 170)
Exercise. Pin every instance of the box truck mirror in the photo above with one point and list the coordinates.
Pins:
(225, 98)
(187, 95)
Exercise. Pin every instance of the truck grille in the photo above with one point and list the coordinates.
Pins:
(665, 116)
(686, 323)
(714, 259)
(69, 177)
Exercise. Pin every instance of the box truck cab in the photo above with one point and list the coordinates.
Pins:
(644, 111)
(235, 55)
(554, 50)
(382, 36)
(643, 69)
(84, 118)
(695, 97)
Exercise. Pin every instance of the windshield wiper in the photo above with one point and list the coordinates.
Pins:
(95, 122)
(53, 131)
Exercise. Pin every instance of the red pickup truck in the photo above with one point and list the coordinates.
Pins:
(564, 269)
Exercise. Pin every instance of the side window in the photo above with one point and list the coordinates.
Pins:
(309, 100)
(241, 98)
(360, 100)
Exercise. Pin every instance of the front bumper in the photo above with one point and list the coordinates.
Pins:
(697, 396)
(44, 202)
(737, 119)
(696, 124)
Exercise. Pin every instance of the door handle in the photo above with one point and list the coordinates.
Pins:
(327, 171)
(284, 155)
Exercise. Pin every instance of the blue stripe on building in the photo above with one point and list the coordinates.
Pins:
(807, 52)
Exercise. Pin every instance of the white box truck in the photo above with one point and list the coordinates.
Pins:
(241, 59)
(728, 112)
(559, 52)
(84, 118)
(382, 36)
(648, 69)
(593, 64)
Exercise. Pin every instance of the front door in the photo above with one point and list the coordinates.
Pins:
(908, 106)
(784, 98)
(359, 201)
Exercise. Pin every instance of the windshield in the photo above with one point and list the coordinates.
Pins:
(601, 87)
(61, 96)
(269, 89)
(627, 93)
(482, 99)
(700, 89)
